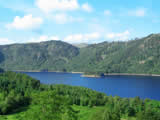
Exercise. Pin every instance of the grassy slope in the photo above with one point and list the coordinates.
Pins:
(85, 113)
(16, 115)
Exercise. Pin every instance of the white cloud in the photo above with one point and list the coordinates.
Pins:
(118, 36)
(54, 38)
(25, 22)
(141, 12)
(57, 5)
(87, 7)
(74, 38)
(92, 36)
(82, 38)
(42, 38)
(107, 12)
(64, 18)
(4, 41)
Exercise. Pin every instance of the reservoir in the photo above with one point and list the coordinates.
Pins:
(123, 86)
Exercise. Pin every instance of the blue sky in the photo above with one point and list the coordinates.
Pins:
(77, 21)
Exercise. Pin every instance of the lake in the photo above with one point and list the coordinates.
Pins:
(123, 86)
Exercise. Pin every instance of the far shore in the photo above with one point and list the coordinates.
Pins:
(119, 74)
(92, 75)
(47, 71)
(129, 74)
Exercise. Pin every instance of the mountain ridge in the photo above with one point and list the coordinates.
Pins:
(139, 56)
(34, 55)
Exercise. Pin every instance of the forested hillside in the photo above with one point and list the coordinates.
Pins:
(24, 98)
(135, 56)
(52, 55)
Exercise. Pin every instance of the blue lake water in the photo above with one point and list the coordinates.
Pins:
(123, 86)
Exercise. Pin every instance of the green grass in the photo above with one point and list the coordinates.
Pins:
(9, 117)
(131, 118)
(15, 116)
(20, 113)
(85, 112)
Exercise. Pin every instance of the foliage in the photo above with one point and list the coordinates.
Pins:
(139, 56)
(27, 99)
(44, 56)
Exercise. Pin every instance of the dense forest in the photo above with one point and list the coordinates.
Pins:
(24, 98)
(50, 55)
(140, 56)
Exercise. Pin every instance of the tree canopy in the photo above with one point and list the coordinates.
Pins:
(31, 100)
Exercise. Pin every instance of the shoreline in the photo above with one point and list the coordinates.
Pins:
(130, 74)
(91, 76)
(95, 76)
(47, 71)
(121, 74)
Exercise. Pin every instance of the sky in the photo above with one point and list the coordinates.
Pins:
(77, 21)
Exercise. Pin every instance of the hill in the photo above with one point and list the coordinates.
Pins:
(50, 55)
(135, 56)
(139, 56)
(81, 45)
